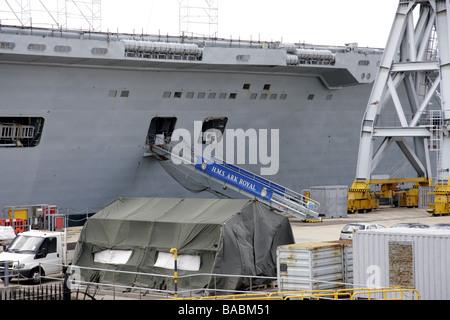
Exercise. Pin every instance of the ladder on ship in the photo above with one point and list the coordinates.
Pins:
(246, 183)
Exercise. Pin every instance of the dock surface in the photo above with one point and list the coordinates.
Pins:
(329, 229)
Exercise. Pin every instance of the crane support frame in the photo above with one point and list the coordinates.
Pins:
(415, 63)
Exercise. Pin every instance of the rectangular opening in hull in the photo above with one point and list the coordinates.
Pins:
(161, 128)
(20, 132)
(212, 129)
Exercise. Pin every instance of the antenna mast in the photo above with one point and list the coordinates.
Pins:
(61, 14)
(199, 18)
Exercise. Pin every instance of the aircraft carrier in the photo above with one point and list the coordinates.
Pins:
(80, 109)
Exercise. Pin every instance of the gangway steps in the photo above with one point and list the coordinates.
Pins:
(249, 184)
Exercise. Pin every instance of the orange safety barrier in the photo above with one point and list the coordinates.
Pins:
(18, 225)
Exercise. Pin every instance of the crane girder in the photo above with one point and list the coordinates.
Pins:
(413, 73)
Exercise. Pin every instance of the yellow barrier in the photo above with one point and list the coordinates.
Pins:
(329, 296)
(304, 294)
(249, 296)
(351, 291)
(384, 293)
(343, 294)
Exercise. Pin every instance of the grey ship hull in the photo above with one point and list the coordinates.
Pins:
(97, 114)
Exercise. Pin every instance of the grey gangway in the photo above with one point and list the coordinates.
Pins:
(243, 181)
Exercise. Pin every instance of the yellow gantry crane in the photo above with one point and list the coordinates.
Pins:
(413, 83)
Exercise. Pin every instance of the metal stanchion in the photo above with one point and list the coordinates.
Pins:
(175, 273)
(6, 275)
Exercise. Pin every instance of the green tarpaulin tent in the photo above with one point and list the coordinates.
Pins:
(212, 236)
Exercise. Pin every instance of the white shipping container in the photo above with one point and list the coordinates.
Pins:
(404, 257)
(347, 261)
(313, 266)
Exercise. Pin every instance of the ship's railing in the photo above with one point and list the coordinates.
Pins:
(116, 36)
(15, 131)
(300, 53)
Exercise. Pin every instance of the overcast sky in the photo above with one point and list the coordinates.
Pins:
(328, 22)
(325, 22)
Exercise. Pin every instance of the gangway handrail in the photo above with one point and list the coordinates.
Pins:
(308, 211)
(167, 148)
(279, 197)
(297, 201)
(275, 186)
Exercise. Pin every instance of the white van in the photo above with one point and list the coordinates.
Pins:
(36, 253)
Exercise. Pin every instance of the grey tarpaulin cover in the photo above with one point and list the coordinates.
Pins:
(231, 236)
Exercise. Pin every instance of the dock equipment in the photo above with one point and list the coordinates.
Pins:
(18, 225)
(243, 181)
(416, 62)
(38, 216)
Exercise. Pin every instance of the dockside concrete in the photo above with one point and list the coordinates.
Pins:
(329, 229)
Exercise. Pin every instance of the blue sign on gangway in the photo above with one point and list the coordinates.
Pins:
(236, 179)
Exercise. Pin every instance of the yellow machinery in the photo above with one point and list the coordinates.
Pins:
(362, 199)
(18, 213)
(441, 205)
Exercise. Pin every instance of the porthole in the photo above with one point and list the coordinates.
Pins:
(99, 51)
(7, 45)
(36, 47)
(62, 49)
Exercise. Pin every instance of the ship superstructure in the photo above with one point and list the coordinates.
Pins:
(79, 110)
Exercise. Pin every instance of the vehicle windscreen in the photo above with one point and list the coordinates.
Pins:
(350, 228)
(25, 244)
